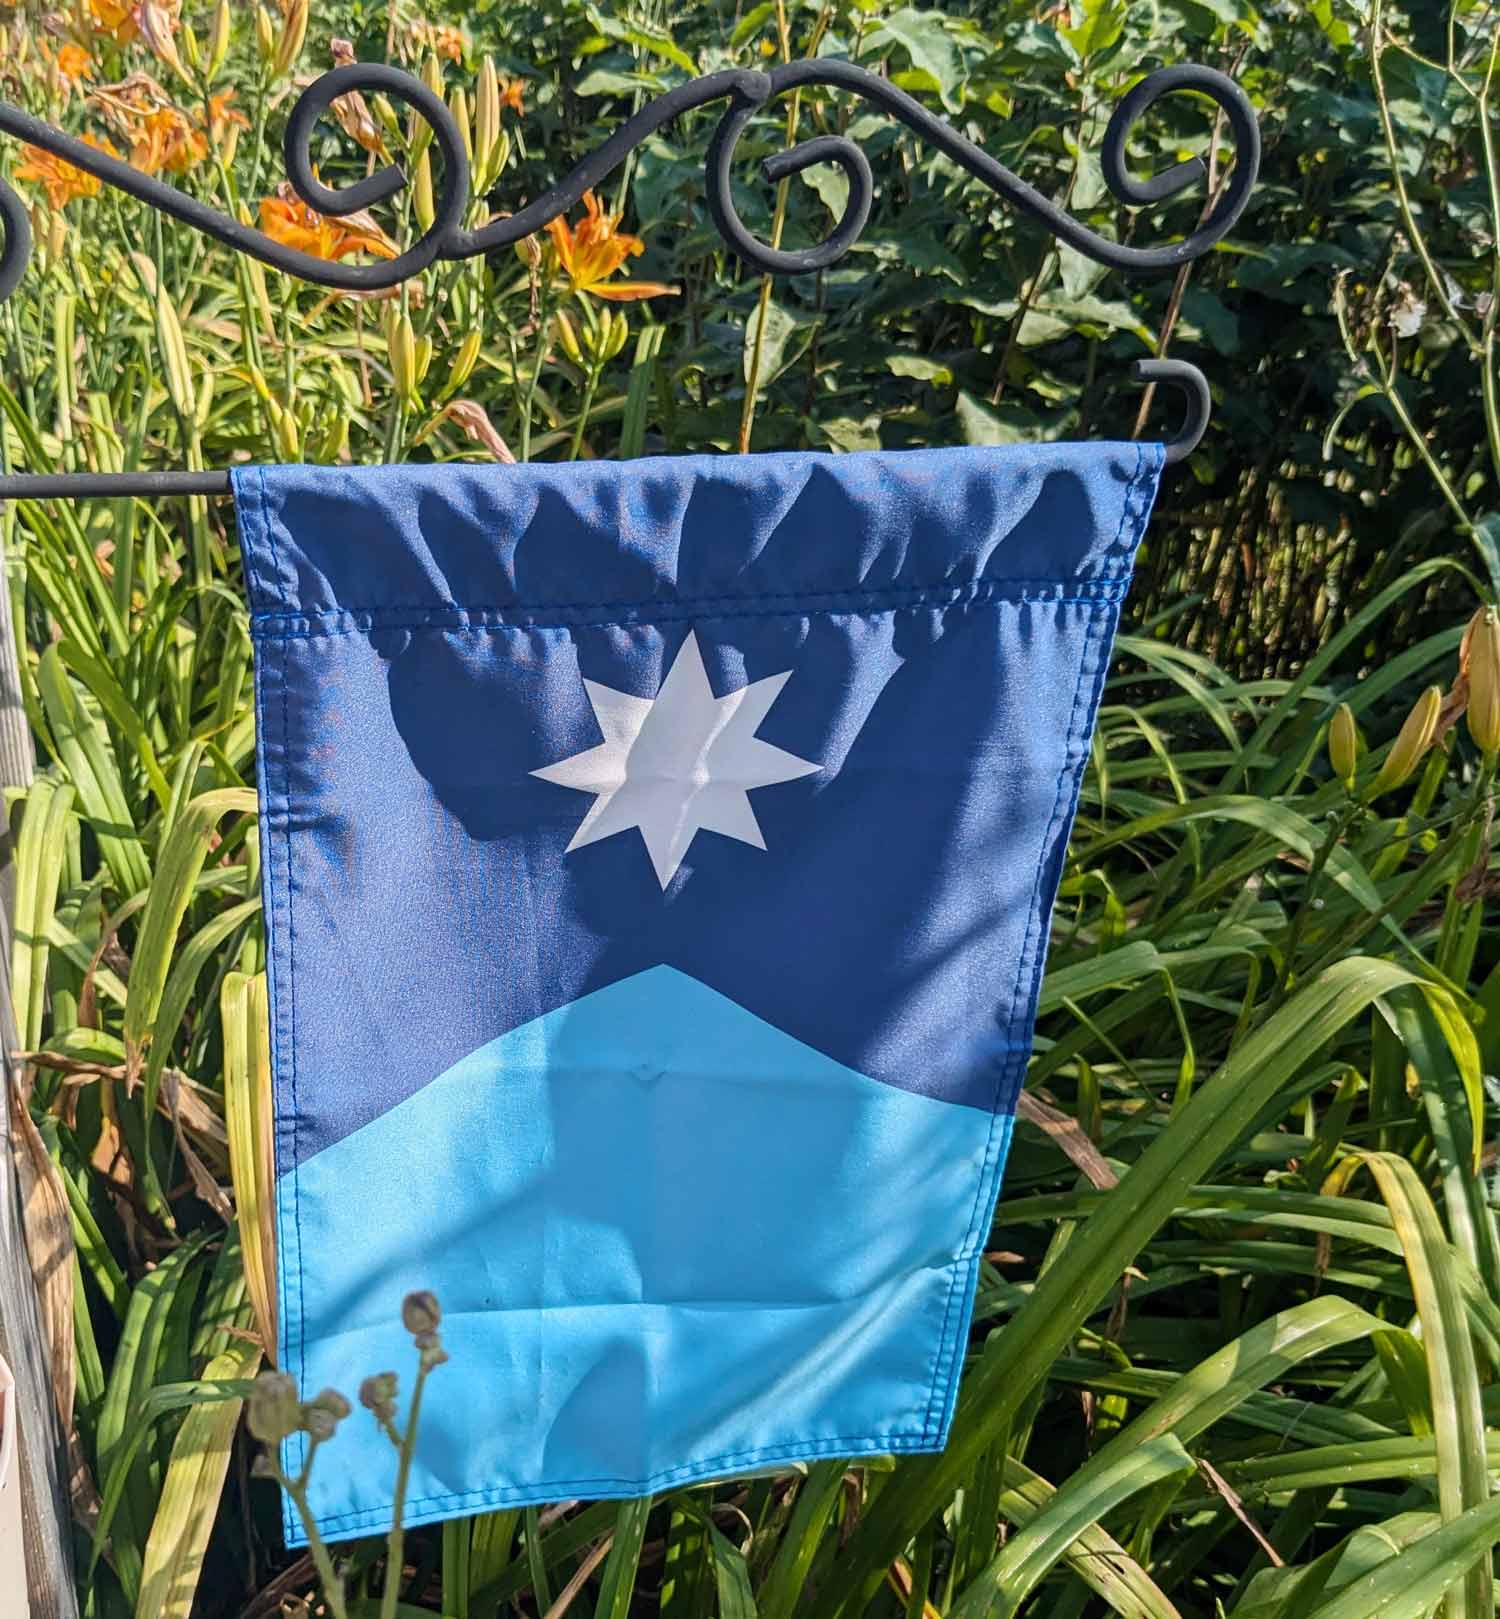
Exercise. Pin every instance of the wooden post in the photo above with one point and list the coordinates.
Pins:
(45, 1518)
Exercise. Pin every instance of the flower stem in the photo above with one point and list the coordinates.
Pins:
(395, 1540)
(583, 410)
(328, 1575)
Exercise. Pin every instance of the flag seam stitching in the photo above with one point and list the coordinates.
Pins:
(522, 615)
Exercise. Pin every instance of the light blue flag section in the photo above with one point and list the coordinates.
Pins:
(658, 863)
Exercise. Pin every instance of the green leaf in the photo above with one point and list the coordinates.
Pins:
(85, 754)
(178, 865)
(624, 1559)
(980, 423)
(817, 1495)
(190, 1492)
(767, 334)
(605, 81)
(40, 849)
(1099, 23)
(1457, 1414)
(736, 1597)
(1407, 1585)
(646, 36)
(751, 23)
(1086, 1498)
(920, 367)
(638, 395)
(1018, 1356)
(1095, 1556)
(829, 183)
(851, 433)
(925, 38)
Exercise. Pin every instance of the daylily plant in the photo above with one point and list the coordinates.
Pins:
(591, 254)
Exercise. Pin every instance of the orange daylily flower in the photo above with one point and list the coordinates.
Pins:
(590, 255)
(222, 117)
(162, 136)
(164, 139)
(57, 177)
(449, 42)
(285, 218)
(441, 38)
(115, 18)
(74, 64)
(511, 93)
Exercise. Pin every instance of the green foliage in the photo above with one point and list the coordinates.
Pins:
(1237, 1330)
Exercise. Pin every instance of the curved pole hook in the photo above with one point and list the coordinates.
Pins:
(1189, 381)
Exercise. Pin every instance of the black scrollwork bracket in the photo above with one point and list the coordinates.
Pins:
(746, 92)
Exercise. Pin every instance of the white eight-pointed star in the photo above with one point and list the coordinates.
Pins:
(677, 764)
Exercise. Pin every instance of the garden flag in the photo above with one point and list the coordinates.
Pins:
(658, 863)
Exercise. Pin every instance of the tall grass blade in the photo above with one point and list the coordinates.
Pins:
(190, 1492)
(1457, 1414)
(1018, 1356)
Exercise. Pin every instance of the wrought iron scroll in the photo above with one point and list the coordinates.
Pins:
(747, 93)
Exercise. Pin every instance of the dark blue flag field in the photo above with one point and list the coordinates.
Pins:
(658, 862)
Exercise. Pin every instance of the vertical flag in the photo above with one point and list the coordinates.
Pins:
(658, 864)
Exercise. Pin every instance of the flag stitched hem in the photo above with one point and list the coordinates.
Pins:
(725, 1466)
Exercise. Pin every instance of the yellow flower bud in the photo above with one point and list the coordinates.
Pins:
(458, 105)
(432, 74)
(1484, 682)
(293, 33)
(335, 440)
(401, 341)
(423, 357)
(1343, 744)
(486, 125)
(57, 238)
(218, 39)
(284, 428)
(190, 47)
(265, 36)
(464, 360)
(568, 338)
(422, 202)
(1412, 741)
(205, 401)
(619, 330)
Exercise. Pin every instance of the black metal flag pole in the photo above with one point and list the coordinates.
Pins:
(747, 93)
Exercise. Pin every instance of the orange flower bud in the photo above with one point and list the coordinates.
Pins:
(1484, 683)
(1412, 741)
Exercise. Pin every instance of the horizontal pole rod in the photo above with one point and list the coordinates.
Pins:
(108, 485)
